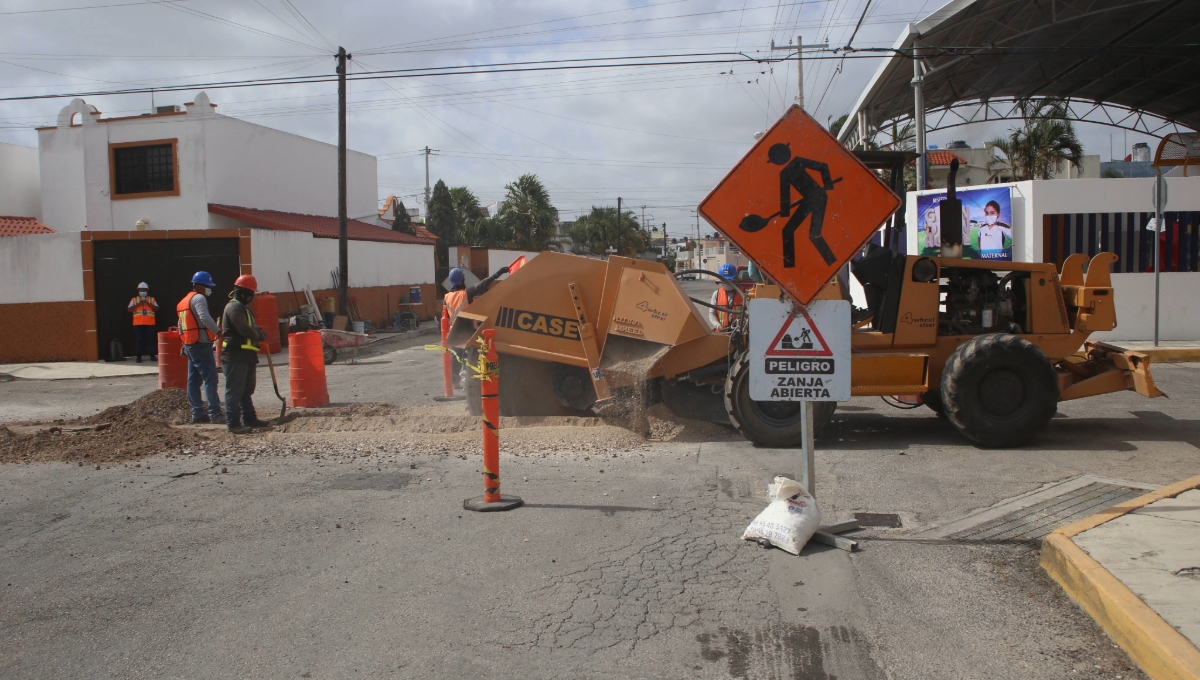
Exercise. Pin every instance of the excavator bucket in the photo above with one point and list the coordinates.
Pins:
(587, 328)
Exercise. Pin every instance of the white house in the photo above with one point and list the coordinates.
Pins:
(20, 182)
(159, 196)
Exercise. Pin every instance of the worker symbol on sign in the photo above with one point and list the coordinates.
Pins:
(795, 175)
(789, 342)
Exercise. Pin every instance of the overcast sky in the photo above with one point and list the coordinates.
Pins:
(657, 136)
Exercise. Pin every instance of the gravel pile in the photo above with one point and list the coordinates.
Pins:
(140, 428)
(157, 423)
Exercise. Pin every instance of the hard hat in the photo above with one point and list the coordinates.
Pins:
(142, 285)
(727, 272)
(457, 277)
(248, 282)
(204, 279)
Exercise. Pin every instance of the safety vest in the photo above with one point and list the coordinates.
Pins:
(454, 302)
(230, 333)
(724, 300)
(143, 312)
(190, 329)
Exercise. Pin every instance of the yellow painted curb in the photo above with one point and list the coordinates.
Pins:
(1172, 355)
(1161, 651)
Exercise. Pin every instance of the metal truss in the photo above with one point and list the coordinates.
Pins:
(1008, 108)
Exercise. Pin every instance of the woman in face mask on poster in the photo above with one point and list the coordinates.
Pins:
(993, 232)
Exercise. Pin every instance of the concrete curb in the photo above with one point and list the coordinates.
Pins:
(1172, 355)
(1161, 651)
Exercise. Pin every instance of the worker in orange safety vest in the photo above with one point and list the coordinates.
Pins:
(197, 329)
(143, 308)
(723, 297)
(458, 298)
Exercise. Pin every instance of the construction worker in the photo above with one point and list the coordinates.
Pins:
(458, 298)
(239, 356)
(723, 297)
(143, 308)
(198, 330)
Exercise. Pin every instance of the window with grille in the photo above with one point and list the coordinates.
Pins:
(144, 169)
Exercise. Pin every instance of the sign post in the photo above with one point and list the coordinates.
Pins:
(800, 353)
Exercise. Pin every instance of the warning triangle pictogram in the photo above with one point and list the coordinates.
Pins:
(799, 337)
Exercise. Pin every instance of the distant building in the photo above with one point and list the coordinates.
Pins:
(976, 166)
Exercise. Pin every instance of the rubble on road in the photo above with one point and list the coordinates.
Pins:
(158, 423)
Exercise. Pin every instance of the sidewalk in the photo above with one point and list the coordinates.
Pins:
(82, 370)
(1168, 351)
(78, 370)
(1135, 568)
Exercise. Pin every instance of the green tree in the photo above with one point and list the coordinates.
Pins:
(442, 220)
(401, 220)
(1044, 142)
(838, 124)
(527, 213)
(466, 213)
(598, 231)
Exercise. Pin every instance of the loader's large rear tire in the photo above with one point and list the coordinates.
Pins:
(999, 390)
(769, 423)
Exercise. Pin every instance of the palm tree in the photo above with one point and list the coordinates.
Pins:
(1044, 142)
(527, 212)
(466, 214)
(598, 231)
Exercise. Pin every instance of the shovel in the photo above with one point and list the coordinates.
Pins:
(275, 384)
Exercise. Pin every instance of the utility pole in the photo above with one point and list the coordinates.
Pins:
(799, 47)
(343, 259)
(619, 225)
(426, 151)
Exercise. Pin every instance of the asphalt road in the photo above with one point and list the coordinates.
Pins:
(362, 563)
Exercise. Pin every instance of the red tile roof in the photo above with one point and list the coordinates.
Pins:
(941, 157)
(321, 227)
(22, 226)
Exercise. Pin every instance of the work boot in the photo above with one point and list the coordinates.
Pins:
(239, 429)
(139, 359)
(257, 423)
(201, 419)
(153, 357)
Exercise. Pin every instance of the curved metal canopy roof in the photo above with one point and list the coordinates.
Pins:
(1125, 63)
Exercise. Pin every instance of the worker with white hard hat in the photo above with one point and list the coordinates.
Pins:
(143, 307)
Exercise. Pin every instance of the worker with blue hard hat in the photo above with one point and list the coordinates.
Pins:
(198, 330)
(726, 296)
(458, 298)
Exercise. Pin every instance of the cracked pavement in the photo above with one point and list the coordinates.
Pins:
(619, 566)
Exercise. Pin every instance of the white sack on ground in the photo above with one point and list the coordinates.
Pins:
(790, 520)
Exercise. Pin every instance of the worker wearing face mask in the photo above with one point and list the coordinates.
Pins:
(993, 232)
(143, 308)
(239, 356)
(197, 329)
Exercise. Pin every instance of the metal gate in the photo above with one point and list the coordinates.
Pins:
(167, 266)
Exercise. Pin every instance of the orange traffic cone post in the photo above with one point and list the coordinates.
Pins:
(488, 372)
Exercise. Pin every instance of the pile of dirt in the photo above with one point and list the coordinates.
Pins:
(448, 428)
(140, 428)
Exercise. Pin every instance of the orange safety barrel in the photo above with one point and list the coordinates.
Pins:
(266, 315)
(306, 370)
(172, 365)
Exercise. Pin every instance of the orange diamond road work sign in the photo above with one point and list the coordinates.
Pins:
(799, 205)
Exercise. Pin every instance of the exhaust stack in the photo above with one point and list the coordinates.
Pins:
(950, 216)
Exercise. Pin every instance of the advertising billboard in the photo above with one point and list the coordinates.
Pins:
(986, 224)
